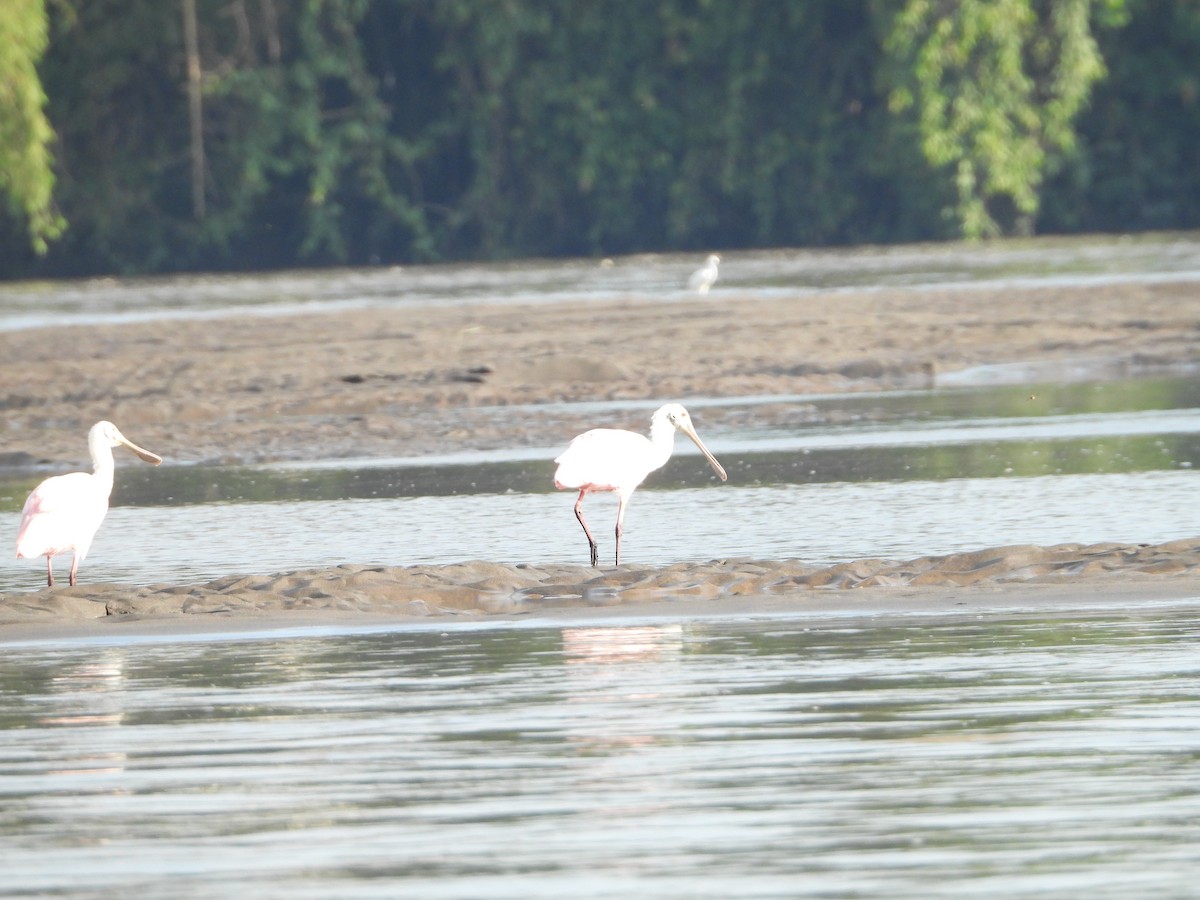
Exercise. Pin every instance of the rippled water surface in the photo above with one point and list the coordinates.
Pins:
(916, 757)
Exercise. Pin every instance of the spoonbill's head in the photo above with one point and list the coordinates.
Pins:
(106, 434)
(682, 422)
(713, 259)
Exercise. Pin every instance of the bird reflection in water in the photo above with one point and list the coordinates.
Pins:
(83, 698)
(607, 674)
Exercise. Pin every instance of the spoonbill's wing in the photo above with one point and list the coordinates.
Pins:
(60, 511)
(62, 492)
(605, 459)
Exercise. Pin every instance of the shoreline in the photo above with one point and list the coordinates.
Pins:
(877, 606)
(1067, 578)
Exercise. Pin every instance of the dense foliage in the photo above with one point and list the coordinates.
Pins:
(26, 176)
(228, 134)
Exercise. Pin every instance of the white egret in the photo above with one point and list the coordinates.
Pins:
(705, 277)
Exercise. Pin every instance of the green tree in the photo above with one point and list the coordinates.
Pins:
(226, 134)
(290, 156)
(1138, 165)
(26, 171)
(617, 126)
(995, 86)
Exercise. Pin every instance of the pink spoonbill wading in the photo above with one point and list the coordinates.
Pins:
(609, 459)
(64, 512)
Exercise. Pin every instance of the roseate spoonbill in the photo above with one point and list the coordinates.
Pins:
(704, 278)
(609, 459)
(64, 512)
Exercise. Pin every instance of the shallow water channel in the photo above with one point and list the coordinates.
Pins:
(914, 756)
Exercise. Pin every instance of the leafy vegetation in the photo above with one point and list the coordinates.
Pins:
(249, 134)
(26, 176)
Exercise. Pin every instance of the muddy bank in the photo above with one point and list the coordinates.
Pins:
(484, 589)
(407, 382)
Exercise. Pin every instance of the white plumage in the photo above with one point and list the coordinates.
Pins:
(706, 276)
(609, 459)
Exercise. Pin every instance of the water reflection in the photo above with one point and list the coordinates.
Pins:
(88, 693)
(1131, 426)
(601, 665)
(795, 757)
(951, 453)
(85, 696)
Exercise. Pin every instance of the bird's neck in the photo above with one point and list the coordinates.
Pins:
(102, 467)
(662, 438)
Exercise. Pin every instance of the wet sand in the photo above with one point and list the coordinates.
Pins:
(393, 382)
(1067, 577)
(410, 382)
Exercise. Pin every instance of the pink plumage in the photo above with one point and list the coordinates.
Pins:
(64, 512)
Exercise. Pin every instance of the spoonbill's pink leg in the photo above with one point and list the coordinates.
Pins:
(579, 515)
(620, 519)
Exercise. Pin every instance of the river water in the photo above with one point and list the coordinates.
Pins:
(907, 757)
(1005, 753)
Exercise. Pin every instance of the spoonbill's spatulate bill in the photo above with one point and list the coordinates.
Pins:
(64, 512)
(705, 277)
(609, 459)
